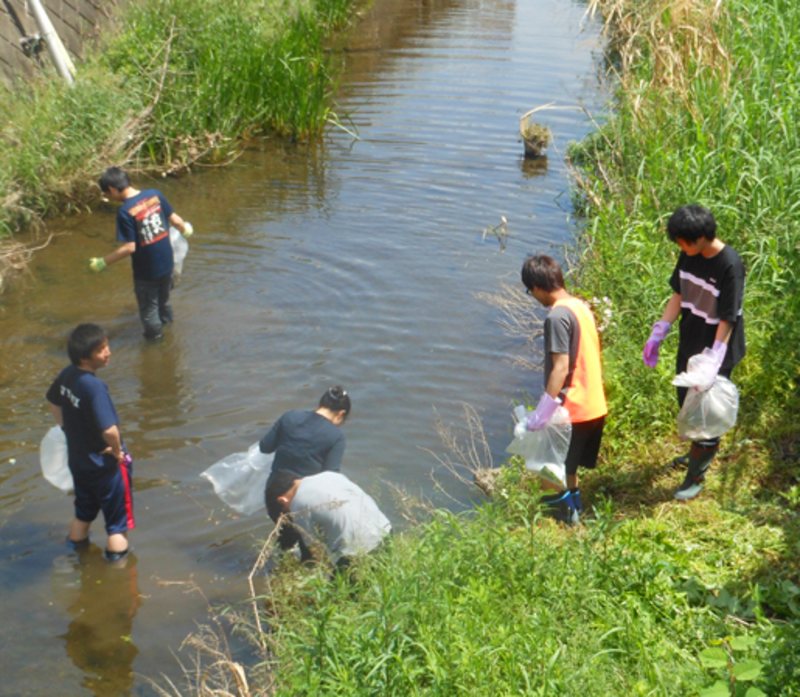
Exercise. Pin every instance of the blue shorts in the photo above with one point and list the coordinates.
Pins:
(112, 494)
(584, 445)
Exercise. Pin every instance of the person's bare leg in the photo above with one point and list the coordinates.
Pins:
(78, 531)
(117, 542)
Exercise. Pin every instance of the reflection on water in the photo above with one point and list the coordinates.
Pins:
(533, 166)
(344, 260)
(102, 600)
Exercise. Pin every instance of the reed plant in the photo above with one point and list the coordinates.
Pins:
(705, 112)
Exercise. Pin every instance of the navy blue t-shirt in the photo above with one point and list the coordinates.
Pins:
(144, 219)
(88, 411)
(304, 443)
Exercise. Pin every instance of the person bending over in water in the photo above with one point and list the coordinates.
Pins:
(306, 443)
(329, 507)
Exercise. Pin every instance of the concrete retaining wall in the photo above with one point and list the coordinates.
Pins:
(77, 22)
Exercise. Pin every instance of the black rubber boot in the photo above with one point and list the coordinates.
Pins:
(700, 457)
(679, 463)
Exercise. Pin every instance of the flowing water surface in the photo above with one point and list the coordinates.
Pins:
(352, 261)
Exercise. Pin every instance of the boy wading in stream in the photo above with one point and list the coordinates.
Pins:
(572, 376)
(707, 294)
(100, 466)
(143, 222)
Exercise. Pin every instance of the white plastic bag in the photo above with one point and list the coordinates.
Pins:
(709, 413)
(700, 372)
(239, 479)
(180, 247)
(545, 451)
(54, 461)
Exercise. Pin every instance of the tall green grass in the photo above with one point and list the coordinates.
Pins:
(724, 137)
(181, 82)
(505, 602)
(653, 598)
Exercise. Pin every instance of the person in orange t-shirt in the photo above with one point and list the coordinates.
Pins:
(573, 376)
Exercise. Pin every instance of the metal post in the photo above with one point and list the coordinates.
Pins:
(56, 49)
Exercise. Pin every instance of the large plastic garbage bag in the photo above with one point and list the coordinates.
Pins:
(701, 370)
(709, 413)
(54, 461)
(545, 451)
(239, 479)
(180, 247)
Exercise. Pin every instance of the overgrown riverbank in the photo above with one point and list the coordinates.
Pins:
(181, 82)
(649, 596)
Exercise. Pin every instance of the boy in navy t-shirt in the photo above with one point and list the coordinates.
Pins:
(143, 222)
(101, 468)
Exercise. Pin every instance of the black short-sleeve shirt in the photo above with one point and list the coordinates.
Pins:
(711, 290)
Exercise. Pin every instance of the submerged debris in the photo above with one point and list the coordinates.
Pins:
(500, 231)
(535, 136)
(14, 258)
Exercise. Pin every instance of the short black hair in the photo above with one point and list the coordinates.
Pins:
(691, 222)
(278, 484)
(542, 271)
(83, 341)
(116, 177)
(336, 399)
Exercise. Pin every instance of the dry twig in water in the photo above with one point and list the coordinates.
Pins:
(467, 456)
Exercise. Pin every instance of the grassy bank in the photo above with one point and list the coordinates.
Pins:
(505, 602)
(179, 82)
(649, 596)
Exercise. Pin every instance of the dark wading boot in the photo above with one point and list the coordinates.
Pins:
(679, 463)
(700, 458)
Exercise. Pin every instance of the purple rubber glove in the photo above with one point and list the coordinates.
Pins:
(705, 366)
(659, 333)
(545, 409)
(718, 351)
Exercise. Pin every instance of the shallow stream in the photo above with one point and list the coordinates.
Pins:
(352, 261)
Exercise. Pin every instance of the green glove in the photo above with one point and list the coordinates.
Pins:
(188, 229)
(97, 264)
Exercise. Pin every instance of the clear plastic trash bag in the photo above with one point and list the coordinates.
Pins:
(701, 370)
(545, 451)
(709, 413)
(54, 461)
(180, 247)
(239, 479)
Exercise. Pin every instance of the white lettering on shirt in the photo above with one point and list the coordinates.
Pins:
(68, 394)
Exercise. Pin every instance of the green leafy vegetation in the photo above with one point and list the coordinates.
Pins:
(180, 82)
(506, 601)
(649, 596)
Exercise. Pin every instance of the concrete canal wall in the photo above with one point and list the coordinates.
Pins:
(77, 22)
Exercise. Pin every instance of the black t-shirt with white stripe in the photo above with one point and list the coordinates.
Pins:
(711, 290)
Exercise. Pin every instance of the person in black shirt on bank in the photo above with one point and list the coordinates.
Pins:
(708, 293)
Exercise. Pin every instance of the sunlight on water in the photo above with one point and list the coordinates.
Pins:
(347, 261)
